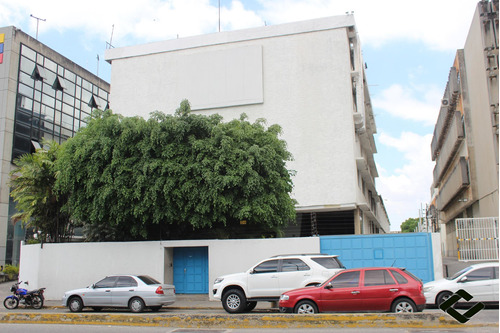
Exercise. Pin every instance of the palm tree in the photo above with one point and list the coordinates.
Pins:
(38, 204)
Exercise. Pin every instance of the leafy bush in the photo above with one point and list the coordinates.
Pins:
(11, 271)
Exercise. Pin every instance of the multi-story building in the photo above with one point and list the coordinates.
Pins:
(43, 95)
(308, 77)
(465, 141)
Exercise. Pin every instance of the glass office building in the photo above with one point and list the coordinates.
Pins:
(52, 102)
(43, 96)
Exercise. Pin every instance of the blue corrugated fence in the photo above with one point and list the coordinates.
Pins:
(412, 251)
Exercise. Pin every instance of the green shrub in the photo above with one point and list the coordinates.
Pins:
(11, 271)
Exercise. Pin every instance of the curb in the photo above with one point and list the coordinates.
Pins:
(419, 320)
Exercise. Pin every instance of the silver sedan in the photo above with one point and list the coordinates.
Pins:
(135, 292)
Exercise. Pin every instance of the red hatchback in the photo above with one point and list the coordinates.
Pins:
(360, 289)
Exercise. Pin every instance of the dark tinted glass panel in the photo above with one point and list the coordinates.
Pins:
(346, 280)
(126, 281)
(400, 278)
(21, 129)
(328, 262)
(148, 280)
(23, 117)
(269, 266)
(293, 265)
(22, 144)
(486, 273)
(106, 282)
(378, 277)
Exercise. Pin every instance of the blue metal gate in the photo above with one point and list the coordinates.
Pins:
(412, 251)
(191, 270)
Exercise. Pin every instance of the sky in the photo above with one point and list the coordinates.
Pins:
(408, 47)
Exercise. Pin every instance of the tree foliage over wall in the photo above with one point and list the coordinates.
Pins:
(409, 225)
(132, 179)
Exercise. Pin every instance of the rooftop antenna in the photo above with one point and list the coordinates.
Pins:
(219, 15)
(37, 22)
(98, 65)
(111, 38)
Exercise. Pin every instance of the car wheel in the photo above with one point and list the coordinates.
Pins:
(403, 305)
(11, 303)
(305, 307)
(75, 304)
(37, 302)
(155, 308)
(443, 296)
(250, 306)
(234, 301)
(136, 305)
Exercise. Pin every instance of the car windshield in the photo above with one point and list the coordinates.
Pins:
(329, 262)
(459, 273)
(148, 279)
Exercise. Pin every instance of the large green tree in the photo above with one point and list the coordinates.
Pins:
(176, 176)
(409, 225)
(38, 204)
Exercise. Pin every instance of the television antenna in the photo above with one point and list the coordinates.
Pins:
(109, 45)
(37, 22)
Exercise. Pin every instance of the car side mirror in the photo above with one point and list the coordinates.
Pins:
(92, 286)
(329, 286)
(464, 279)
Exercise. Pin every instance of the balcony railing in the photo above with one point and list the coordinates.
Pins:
(456, 182)
(450, 146)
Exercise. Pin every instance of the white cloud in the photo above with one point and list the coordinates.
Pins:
(441, 24)
(409, 186)
(418, 103)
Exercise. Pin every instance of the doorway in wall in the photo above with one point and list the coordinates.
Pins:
(191, 270)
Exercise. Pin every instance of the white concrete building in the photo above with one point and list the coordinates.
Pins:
(307, 77)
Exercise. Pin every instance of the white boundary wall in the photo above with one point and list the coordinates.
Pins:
(66, 266)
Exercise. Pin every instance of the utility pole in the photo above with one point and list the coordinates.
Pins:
(37, 22)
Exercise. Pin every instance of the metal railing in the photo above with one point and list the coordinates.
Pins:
(477, 238)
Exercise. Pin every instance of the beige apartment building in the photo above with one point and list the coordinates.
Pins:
(465, 142)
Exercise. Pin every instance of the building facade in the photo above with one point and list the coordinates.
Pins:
(43, 95)
(308, 77)
(465, 142)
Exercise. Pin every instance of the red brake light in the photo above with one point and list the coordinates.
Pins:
(159, 290)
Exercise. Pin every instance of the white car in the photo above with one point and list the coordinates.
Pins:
(271, 277)
(479, 280)
(135, 292)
